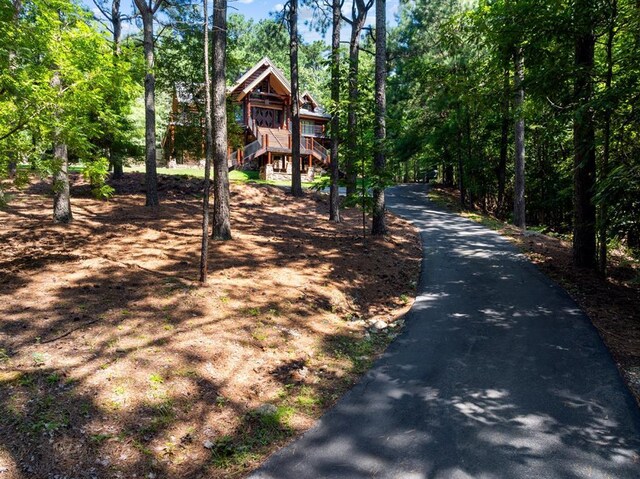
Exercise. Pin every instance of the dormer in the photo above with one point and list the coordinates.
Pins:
(307, 102)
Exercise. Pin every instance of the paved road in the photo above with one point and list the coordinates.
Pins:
(498, 375)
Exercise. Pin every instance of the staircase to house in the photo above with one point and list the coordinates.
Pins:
(277, 141)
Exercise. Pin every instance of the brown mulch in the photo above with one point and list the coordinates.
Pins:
(115, 362)
(612, 302)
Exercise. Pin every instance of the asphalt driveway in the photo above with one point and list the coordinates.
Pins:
(498, 374)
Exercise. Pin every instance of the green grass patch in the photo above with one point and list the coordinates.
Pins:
(440, 199)
(360, 351)
(46, 416)
(307, 399)
(237, 176)
(257, 431)
(485, 220)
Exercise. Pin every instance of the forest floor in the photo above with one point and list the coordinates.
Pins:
(612, 303)
(115, 362)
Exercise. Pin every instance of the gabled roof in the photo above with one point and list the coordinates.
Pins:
(255, 75)
(258, 73)
(314, 114)
(311, 99)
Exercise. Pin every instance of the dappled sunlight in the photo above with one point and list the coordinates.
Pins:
(116, 362)
(496, 375)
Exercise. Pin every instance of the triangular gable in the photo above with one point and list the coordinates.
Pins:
(255, 75)
(284, 89)
(307, 95)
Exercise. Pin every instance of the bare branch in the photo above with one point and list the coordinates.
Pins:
(155, 8)
(103, 11)
(370, 52)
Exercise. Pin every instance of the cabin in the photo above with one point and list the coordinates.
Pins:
(261, 105)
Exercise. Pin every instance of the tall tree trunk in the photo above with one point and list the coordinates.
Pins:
(352, 141)
(504, 144)
(296, 182)
(447, 168)
(151, 176)
(603, 224)
(470, 192)
(584, 158)
(61, 188)
(461, 182)
(358, 19)
(221, 214)
(519, 218)
(379, 226)
(116, 22)
(334, 192)
(204, 250)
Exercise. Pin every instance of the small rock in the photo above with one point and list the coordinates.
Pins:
(266, 409)
(208, 444)
(380, 325)
(152, 475)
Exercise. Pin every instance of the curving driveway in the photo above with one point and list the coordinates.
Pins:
(498, 374)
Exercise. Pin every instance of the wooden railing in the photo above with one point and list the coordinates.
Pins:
(251, 149)
(233, 159)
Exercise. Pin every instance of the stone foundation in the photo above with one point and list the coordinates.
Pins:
(267, 173)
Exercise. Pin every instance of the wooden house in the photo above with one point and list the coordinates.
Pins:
(261, 101)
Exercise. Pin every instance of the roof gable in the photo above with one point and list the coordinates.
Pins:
(307, 96)
(261, 70)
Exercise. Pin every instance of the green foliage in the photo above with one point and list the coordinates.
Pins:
(452, 88)
(87, 112)
(95, 173)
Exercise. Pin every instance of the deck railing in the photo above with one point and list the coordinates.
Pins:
(321, 150)
(251, 149)
(233, 159)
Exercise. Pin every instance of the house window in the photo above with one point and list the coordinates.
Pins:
(308, 127)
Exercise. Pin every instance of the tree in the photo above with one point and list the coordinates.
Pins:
(204, 253)
(379, 226)
(584, 159)
(296, 182)
(501, 171)
(148, 11)
(519, 201)
(334, 192)
(359, 10)
(603, 221)
(221, 219)
(61, 189)
(115, 17)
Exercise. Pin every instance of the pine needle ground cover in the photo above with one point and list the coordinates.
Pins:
(114, 362)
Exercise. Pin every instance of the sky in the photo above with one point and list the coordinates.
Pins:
(259, 9)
